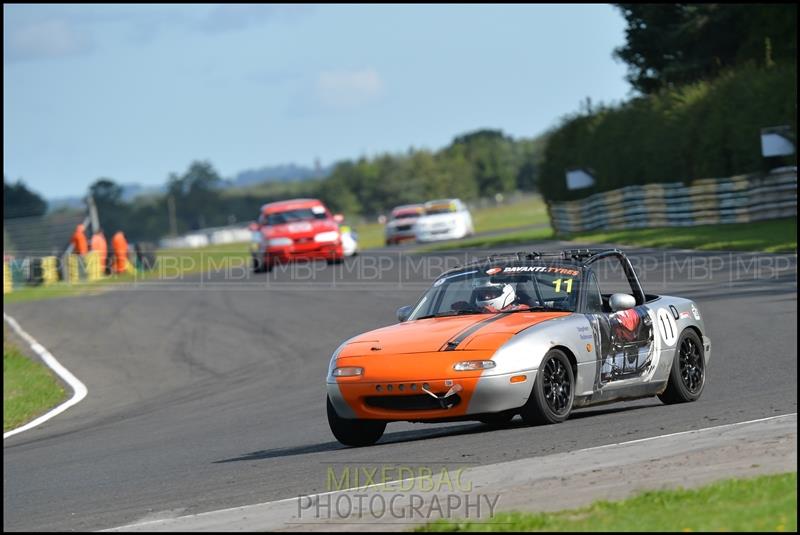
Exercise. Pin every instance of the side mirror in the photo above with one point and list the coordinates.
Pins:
(254, 226)
(619, 302)
(403, 313)
(338, 218)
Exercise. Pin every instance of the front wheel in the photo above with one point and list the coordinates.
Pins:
(259, 265)
(354, 432)
(553, 391)
(688, 375)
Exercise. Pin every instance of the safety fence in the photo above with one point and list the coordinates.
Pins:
(738, 199)
(208, 236)
(38, 270)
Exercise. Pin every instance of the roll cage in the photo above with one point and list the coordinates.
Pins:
(581, 259)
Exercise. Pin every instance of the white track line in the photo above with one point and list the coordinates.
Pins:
(78, 388)
(408, 480)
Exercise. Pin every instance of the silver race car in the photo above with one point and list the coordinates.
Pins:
(535, 334)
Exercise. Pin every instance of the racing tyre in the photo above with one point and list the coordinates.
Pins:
(553, 391)
(332, 261)
(258, 264)
(688, 375)
(354, 432)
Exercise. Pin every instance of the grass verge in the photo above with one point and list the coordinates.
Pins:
(29, 388)
(767, 503)
(772, 236)
(488, 242)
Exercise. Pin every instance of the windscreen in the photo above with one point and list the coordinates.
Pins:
(299, 214)
(410, 214)
(444, 208)
(491, 290)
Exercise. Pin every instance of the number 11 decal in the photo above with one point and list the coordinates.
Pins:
(567, 285)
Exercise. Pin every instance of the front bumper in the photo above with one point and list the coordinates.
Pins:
(353, 398)
(438, 234)
(309, 251)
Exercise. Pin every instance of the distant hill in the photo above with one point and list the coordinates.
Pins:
(249, 177)
(279, 173)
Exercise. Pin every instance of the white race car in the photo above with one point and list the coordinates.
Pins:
(444, 219)
(349, 240)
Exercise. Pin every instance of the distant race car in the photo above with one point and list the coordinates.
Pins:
(349, 240)
(400, 226)
(293, 230)
(444, 219)
(533, 334)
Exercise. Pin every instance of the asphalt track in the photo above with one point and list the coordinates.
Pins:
(208, 392)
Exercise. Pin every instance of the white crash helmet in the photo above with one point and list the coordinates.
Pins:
(495, 295)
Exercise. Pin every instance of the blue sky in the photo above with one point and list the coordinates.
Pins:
(136, 92)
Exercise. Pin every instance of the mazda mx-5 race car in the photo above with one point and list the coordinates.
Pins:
(534, 334)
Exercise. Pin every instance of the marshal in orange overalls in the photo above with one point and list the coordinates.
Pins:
(120, 247)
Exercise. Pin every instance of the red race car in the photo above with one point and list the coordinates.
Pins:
(295, 229)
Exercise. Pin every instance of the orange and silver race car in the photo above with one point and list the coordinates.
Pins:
(534, 334)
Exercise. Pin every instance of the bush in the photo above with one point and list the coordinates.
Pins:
(705, 129)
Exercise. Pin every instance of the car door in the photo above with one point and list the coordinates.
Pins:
(624, 338)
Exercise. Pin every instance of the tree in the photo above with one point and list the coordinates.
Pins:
(492, 156)
(197, 197)
(19, 201)
(673, 44)
(113, 212)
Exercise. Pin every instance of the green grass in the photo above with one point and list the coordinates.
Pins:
(772, 236)
(29, 389)
(370, 235)
(531, 210)
(487, 242)
(767, 503)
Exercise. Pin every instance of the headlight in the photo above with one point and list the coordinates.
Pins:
(277, 242)
(348, 371)
(326, 236)
(472, 365)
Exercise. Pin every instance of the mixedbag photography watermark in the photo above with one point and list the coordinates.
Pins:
(395, 493)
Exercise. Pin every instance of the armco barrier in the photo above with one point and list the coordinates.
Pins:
(738, 199)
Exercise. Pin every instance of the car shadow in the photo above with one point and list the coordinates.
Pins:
(388, 438)
(470, 428)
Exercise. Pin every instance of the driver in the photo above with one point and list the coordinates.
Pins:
(495, 297)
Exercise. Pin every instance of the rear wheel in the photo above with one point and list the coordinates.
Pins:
(688, 375)
(553, 391)
(354, 432)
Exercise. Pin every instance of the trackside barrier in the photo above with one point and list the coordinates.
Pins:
(73, 274)
(49, 270)
(94, 270)
(738, 199)
(8, 285)
(70, 268)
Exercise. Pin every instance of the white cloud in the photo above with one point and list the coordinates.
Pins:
(348, 89)
(232, 17)
(50, 38)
